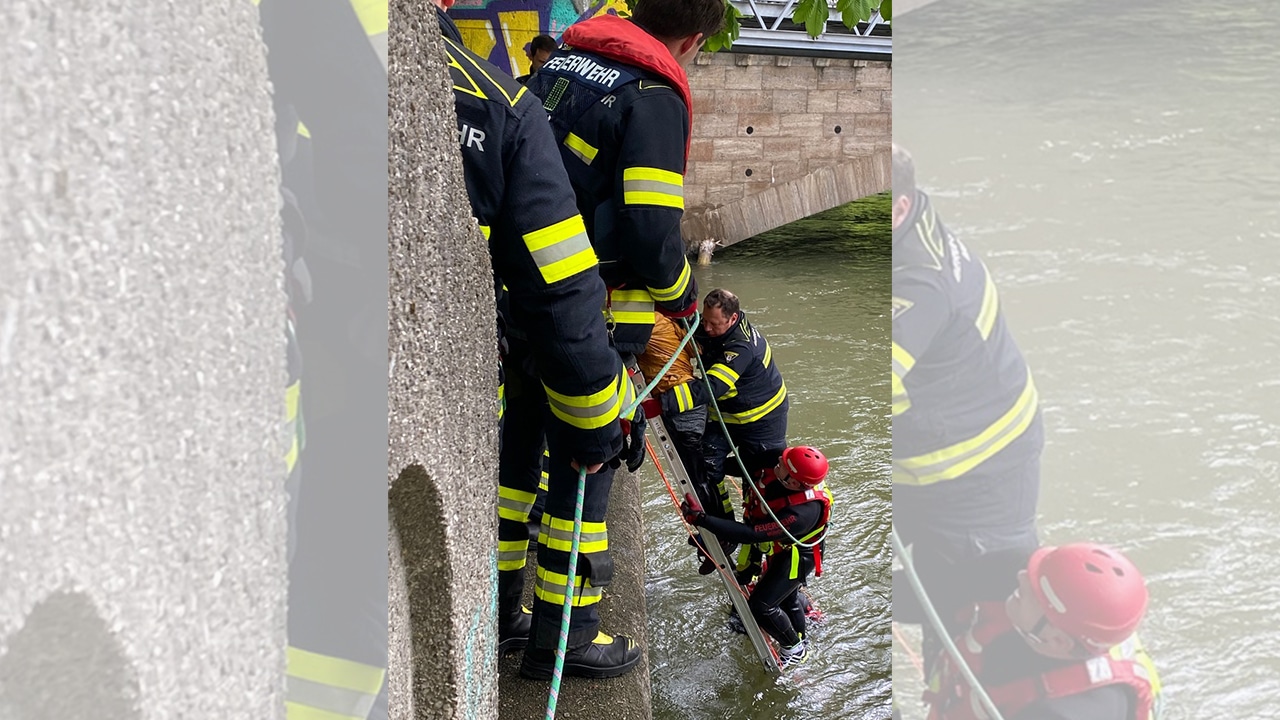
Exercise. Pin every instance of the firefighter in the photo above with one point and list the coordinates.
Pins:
(967, 429)
(1061, 646)
(748, 389)
(563, 381)
(801, 509)
(620, 110)
(328, 72)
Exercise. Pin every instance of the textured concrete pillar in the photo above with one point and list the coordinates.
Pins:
(142, 527)
(443, 398)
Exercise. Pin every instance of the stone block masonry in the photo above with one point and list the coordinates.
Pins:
(814, 132)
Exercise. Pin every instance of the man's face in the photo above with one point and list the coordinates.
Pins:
(538, 59)
(714, 322)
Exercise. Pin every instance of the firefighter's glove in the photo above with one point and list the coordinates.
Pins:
(633, 441)
(692, 511)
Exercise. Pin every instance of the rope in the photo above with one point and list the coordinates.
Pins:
(737, 457)
(562, 642)
(938, 627)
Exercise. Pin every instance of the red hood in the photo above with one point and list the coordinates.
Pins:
(612, 37)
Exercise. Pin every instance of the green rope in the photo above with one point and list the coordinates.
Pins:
(936, 621)
(562, 642)
(747, 480)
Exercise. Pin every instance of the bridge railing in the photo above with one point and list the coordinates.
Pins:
(766, 28)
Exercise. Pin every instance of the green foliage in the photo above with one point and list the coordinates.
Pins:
(853, 12)
(813, 15)
(732, 28)
(886, 10)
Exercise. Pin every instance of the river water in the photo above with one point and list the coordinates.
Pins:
(1118, 170)
(818, 290)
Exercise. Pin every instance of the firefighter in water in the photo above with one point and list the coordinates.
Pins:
(562, 379)
(799, 509)
(1061, 647)
(967, 429)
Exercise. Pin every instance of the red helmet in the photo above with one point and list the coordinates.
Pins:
(806, 464)
(1088, 591)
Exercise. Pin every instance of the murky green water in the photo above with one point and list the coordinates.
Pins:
(1117, 167)
(818, 289)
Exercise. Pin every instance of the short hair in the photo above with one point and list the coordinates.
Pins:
(542, 42)
(724, 300)
(674, 19)
(904, 173)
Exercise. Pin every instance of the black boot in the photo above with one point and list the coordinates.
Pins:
(604, 657)
(513, 631)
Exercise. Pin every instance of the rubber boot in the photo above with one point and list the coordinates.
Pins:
(514, 620)
(604, 657)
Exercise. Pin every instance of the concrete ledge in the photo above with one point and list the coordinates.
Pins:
(820, 190)
(622, 612)
(142, 365)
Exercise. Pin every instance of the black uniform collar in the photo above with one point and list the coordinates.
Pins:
(447, 26)
(919, 206)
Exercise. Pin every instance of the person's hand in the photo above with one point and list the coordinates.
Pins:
(692, 511)
(652, 407)
(633, 443)
(591, 469)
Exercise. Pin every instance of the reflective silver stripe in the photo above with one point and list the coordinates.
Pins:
(336, 700)
(652, 186)
(561, 249)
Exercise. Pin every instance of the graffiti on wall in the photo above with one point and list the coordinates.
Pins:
(500, 30)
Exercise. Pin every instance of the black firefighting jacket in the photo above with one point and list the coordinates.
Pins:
(540, 249)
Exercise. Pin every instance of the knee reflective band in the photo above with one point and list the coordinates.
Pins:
(512, 554)
(320, 687)
(557, 534)
(550, 588)
(515, 504)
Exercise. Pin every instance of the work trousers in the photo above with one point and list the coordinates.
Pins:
(525, 424)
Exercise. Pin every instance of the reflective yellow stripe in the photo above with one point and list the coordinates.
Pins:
(557, 534)
(652, 186)
(550, 587)
(502, 400)
(515, 504)
(303, 131)
(726, 375)
(633, 307)
(956, 460)
(759, 412)
(677, 289)
(475, 89)
(585, 152)
(684, 398)
(512, 554)
(768, 354)
(373, 15)
(990, 307)
(561, 250)
(291, 395)
(902, 364)
(484, 230)
(589, 412)
(324, 687)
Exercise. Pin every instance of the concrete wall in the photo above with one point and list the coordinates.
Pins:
(779, 138)
(442, 408)
(142, 524)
